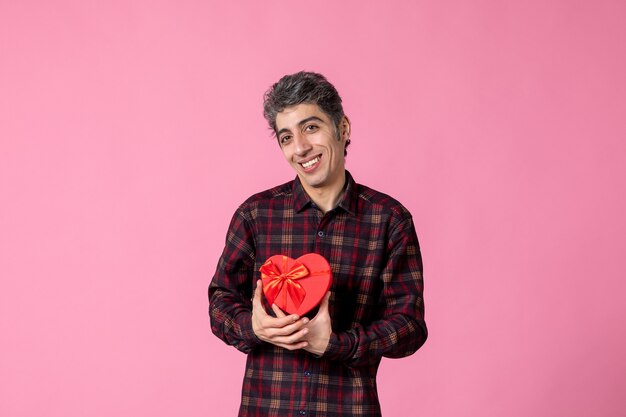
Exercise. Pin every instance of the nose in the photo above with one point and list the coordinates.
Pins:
(302, 144)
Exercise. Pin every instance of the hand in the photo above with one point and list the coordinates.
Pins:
(285, 331)
(320, 329)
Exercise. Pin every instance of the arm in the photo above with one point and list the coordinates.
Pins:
(230, 292)
(283, 331)
(400, 329)
(238, 318)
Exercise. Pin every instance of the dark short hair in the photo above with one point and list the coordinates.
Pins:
(303, 87)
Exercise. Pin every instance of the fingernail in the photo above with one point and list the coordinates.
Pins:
(305, 320)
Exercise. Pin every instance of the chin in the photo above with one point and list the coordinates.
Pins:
(313, 180)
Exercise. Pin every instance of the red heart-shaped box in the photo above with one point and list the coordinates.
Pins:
(314, 281)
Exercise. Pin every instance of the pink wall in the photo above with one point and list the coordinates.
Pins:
(131, 130)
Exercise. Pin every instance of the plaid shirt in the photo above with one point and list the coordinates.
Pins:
(376, 304)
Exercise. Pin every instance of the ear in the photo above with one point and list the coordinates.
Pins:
(344, 128)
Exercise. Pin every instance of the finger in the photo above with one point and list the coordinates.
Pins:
(291, 333)
(279, 312)
(290, 339)
(257, 293)
(323, 310)
(325, 302)
(295, 346)
(257, 305)
(286, 324)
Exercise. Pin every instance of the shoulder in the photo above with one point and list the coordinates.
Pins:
(272, 196)
(373, 201)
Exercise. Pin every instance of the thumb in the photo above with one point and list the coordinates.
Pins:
(324, 303)
(257, 293)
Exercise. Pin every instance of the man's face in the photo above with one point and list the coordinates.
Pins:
(312, 146)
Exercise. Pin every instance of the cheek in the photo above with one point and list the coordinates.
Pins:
(338, 147)
(286, 153)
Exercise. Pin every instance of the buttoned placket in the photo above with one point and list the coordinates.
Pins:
(322, 241)
(308, 383)
(321, 246)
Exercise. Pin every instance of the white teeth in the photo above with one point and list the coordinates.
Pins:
(311, 162)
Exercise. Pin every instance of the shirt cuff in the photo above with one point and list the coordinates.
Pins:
(337, 348)
(247, 331)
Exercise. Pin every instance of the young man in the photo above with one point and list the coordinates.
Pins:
(325, 365)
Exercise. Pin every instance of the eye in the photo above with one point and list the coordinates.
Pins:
(310, 128)
(284, 139)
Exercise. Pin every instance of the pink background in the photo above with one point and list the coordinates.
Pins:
(131, 130)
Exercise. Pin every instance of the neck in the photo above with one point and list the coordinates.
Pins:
(326, 198)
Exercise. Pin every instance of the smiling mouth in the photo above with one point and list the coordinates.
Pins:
(309, 164)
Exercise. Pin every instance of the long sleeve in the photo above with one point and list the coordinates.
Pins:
(400, 328)
(230, 291)
(375, 306)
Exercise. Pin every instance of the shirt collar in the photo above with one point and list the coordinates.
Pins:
(348, 201)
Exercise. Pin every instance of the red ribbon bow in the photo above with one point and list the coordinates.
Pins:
(277, 280)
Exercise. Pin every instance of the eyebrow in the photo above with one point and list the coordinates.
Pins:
(300, 123)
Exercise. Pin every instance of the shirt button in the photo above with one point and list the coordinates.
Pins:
(320, 233)
(307, 373)
(302, 412)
